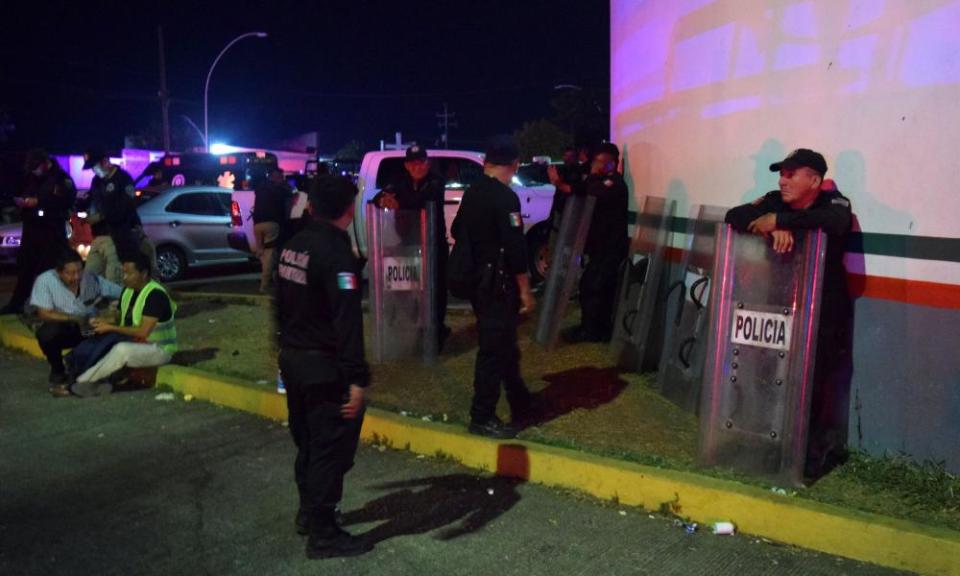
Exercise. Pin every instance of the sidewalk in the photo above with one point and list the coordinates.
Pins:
(868, 537)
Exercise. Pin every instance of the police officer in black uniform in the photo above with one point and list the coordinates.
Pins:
(606, 245)
(322, 361)
(112, 205)
(489, 219)
(805, 202)
(45, 205)
(412, 190)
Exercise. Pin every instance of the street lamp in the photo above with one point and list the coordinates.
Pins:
(206, 87)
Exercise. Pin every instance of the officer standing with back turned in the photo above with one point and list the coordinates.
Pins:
(489, 219)
(322, 361)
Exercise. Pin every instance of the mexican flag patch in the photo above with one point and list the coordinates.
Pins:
(515, 220)
(346, 281)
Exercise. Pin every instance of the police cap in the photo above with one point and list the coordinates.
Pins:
(802, 157)
(501, 151)
(92, 156)
(331, 195)
(415, 152)
(35, 157)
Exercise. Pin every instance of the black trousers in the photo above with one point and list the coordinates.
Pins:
(830, 400)
(54, 338)
(498, 356)
(598, 291)
(441, 285)
(326, 442)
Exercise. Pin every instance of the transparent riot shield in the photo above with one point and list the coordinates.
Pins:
(640, 283)
(402, 283)
(762, 345)
(564, 268)
(680, 371)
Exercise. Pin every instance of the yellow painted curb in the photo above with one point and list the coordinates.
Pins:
(862, 536)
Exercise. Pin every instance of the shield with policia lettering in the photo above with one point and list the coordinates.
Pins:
(640, 284)
(564, 268)
(402, 283)
(762, 343)
(680, 371)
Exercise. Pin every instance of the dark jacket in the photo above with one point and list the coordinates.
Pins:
(55, 194)
(831, 212)
(608, 226)
(113, 200)
(318, 302)
(413, 197)
(490, 215)
(271, 202)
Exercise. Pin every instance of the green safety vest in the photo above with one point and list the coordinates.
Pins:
(164, 334)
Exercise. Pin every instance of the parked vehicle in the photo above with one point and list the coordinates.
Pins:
(459, 168)
(10, 238)
(189, 226)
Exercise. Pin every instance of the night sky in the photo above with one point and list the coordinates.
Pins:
(77, 73)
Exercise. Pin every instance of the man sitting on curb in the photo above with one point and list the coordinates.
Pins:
(65, 298)
(146, 316)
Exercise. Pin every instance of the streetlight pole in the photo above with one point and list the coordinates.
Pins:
(206, 87)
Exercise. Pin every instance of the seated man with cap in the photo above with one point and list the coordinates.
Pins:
(146, 316)
(807, 201)
(65, 299)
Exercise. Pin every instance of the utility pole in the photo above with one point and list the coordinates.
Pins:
(164, 94)
(446, 124)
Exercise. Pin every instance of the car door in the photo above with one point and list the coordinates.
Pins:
(200, 221)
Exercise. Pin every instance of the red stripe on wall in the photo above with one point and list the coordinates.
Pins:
(907, 291)
(916, 292)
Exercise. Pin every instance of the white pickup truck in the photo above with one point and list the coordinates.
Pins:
(459, 168)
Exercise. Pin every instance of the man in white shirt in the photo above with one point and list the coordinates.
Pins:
(66, 298)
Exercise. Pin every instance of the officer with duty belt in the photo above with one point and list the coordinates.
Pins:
(412, 190)
(320, 326)
(45, 206)
(489, 219)
(606, 245)
(805, 201)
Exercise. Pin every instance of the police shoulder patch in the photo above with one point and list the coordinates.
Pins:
(515, 220)
(346, 281)
(110, 187)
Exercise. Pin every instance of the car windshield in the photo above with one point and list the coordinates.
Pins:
(532, 175)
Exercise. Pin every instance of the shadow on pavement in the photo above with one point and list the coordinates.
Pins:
(587, 387)
(458, 504)
(191, 357)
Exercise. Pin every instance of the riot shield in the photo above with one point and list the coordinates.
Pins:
(402, 283)
(758, 378)
(680, 371)
(640, 281)
(564, 268)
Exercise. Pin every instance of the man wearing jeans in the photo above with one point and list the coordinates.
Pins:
(65, 298)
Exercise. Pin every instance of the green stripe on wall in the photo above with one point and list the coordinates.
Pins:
(877, 244)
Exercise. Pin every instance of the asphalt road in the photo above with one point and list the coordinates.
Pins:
(128, 484)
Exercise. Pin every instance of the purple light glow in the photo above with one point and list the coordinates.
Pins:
(932, 55)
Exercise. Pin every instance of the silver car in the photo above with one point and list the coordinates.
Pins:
(189, 226)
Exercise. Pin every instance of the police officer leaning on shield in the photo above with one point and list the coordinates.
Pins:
(320, 328)
(806, 201)
(489, 219)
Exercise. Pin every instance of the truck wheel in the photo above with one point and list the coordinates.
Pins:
(171, 263)
(538, 249)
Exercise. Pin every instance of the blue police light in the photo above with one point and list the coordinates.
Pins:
(219, 148)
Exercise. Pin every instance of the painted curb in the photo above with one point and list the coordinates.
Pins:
(862, 536)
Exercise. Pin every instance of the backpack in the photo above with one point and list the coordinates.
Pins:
(462, 273)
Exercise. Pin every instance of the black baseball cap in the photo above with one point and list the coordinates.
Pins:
(501, 151)
(416, 152)
(35, 157)
(802, 158)
(92, 156)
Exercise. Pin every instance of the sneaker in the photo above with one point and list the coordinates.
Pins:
(493, 428)
(60, 391)
(57, 378)
(339, 544)
(88, 389)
